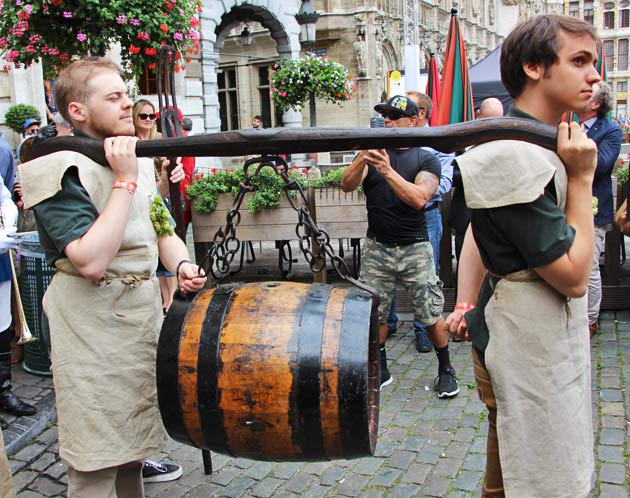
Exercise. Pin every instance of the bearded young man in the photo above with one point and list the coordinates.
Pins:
(103, 303)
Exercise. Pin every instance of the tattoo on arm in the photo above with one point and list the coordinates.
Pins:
(430, 181)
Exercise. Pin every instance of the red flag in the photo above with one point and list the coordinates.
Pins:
(433, 89)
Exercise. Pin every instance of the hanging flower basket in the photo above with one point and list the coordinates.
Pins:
(293, 82)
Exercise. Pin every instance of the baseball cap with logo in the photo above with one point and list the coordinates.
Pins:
(29, 122)
(398, 104)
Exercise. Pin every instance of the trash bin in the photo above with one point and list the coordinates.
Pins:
(35, 275)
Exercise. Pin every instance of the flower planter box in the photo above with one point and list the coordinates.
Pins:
(268, 224)
(342, 215)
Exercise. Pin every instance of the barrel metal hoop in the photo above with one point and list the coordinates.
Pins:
(307, 421)
(354, 410)
(167, 376)
(211, 415)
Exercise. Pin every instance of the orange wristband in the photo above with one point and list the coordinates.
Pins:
(464, 306)
(126, 184)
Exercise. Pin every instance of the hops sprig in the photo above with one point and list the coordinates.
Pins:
(161, 218)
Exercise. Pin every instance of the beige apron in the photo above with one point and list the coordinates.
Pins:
(6, 482)
(104, 335)
(538, 356)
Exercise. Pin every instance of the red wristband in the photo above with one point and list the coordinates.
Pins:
(464, 306)
(126, 184)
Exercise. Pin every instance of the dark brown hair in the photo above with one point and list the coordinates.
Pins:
(535, 41)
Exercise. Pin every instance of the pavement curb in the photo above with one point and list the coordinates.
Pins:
(24, 429)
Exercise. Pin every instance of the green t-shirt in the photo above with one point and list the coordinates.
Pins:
(64, 217)
(513, 238)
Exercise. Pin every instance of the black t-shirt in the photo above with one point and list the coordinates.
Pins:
(390, 220)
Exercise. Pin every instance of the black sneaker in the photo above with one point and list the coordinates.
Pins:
(445, 383)
(423, 344)
(386, 378)
(160, 472)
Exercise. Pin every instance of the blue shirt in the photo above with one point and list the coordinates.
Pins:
(446, 176)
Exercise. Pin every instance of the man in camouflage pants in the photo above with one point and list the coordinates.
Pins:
(397, 185)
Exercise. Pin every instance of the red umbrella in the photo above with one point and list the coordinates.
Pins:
(456, 102)
(433, 88)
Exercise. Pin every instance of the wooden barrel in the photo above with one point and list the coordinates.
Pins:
(278, 371)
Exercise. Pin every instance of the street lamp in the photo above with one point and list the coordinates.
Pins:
(307, 18)
(246, 36)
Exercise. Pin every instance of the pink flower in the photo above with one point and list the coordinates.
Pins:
(28, 8)
(135, 22)
(282, 94)
(53, 51)
(81, 37)
(178, 36)
(143, 35)
(67, 14)
(121, 19)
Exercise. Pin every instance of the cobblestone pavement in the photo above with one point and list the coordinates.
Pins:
(426, 446)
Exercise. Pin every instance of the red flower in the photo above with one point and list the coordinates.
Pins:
(152, 66)
(64, 57)
(134, 50)
(164, 28)
(150, 51)
(170, 5)
(56, 3)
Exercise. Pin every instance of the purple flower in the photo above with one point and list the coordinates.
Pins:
(28, 8)
(81, 37)
(67, 15)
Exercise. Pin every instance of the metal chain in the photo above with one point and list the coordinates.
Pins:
(225, 244)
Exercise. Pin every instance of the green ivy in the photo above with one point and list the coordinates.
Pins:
(622, 175)
(267, 187)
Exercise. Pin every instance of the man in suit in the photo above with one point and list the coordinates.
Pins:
(607, 136)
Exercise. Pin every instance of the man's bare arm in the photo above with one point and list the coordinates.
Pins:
(354, 174)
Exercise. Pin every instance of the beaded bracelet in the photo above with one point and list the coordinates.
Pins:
(179, 265)
(126, 184)
(464, 306)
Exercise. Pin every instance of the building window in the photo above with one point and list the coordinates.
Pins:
(228, 99)
(269, 119)
(588, 11)
(609, 20)
(622, 86)
(609, 54)
(574, 9)
(624, 18)
(622, 109)
(147, 81)
(622, 54)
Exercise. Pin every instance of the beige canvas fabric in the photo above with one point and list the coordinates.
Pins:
(6, 482)
(538, 356)
(506, 172)
(104, 335)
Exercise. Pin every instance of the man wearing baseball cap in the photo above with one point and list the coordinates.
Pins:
(397, 184)
(31, 127)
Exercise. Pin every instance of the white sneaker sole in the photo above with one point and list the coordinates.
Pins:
(165, 477)
(452, 394)
(387, 382)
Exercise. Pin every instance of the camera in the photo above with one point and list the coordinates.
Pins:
(26, 148)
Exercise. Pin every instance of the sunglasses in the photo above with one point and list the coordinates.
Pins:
(144, 116)
(393, 116)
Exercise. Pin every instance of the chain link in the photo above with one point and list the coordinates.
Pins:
(225, 244)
